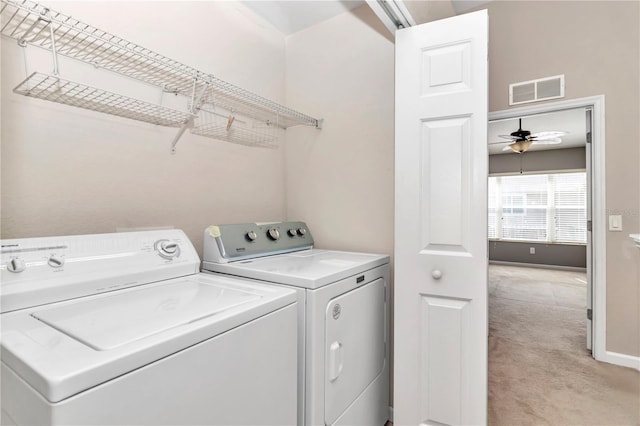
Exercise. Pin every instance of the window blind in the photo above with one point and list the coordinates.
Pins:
(543, 207)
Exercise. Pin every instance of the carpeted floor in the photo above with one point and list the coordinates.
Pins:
(540, 372)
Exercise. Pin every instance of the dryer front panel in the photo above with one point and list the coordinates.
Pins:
(354, 345)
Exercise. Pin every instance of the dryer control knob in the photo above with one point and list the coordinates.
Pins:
(274, 234)
(55, 261)
(292, 232)
(251, 236)
(167, 249)
(302, 232)
(16, 265)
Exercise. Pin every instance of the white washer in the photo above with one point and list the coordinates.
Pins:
(122, 329)
(343, 312)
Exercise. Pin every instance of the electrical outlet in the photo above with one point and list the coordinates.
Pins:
(532, 250)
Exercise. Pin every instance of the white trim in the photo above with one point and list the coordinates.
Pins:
(622, 360)
(599, 246)
(537, 172)
(542, 243)
(538, 265)
(390, 414)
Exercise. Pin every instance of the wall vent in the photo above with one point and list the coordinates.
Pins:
(536, 90)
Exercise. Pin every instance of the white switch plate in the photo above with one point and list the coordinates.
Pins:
(615, 222)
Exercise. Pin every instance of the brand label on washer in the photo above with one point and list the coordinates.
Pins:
(336, 311)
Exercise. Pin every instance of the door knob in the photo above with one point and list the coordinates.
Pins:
(436, 274)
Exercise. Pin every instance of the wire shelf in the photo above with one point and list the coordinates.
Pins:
(32, 23)
(239, 130)
(55, 89)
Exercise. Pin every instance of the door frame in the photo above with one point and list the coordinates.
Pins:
(599, 222)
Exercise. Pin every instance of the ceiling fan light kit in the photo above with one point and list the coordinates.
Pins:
(518, 146)
(523, 139)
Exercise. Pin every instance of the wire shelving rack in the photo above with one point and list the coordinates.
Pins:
(31, 23)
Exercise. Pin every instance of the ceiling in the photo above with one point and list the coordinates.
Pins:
(572, 121)
(290, 16)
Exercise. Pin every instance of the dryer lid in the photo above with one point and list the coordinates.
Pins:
(308, 269)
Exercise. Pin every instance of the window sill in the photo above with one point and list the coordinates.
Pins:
(546, 243)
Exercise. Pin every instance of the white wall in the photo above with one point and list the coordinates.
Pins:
(70, 171)
(340, 179)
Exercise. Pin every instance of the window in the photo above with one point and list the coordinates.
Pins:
(548, 208)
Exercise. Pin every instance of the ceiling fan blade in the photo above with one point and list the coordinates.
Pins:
(499, 143)
(507, 148)
(547, 135)
(547, 141)
(513, 138)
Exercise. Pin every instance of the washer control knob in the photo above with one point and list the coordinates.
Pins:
(274, 234)
(167, 249)
(16, 265)
(302, 232)
(292, 232)
(55, 261)
(251, 236)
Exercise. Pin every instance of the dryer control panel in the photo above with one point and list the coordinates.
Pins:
(227, 243)
(35, 271)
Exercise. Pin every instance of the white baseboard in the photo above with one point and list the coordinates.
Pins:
(622, 360)
(391, 414)
(538, 265)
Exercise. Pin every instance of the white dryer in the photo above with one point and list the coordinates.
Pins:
(343, 314)
(122, 329)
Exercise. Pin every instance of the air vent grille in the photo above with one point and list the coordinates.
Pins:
(536, 90)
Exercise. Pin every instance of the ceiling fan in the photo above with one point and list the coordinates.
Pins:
(523, 139)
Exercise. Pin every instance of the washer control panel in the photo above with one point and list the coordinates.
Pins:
(50, 269)
(231, 242)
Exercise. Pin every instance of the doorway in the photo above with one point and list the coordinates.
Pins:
(540, 210)
(594, 155)
(545, 326)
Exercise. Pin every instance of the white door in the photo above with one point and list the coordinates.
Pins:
(440, 374)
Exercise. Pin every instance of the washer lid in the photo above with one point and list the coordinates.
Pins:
(65, 348)
(308, 268)
(115, 320)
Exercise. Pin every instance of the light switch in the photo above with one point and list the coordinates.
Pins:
(615, 222)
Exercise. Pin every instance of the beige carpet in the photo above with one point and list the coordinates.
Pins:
(540, 372)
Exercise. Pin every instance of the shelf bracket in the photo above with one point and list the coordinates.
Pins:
(22, 41)
(187, 124)
(54, 51)
(195, 108)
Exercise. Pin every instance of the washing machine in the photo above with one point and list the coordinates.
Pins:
(343, 315)
(122, 329)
